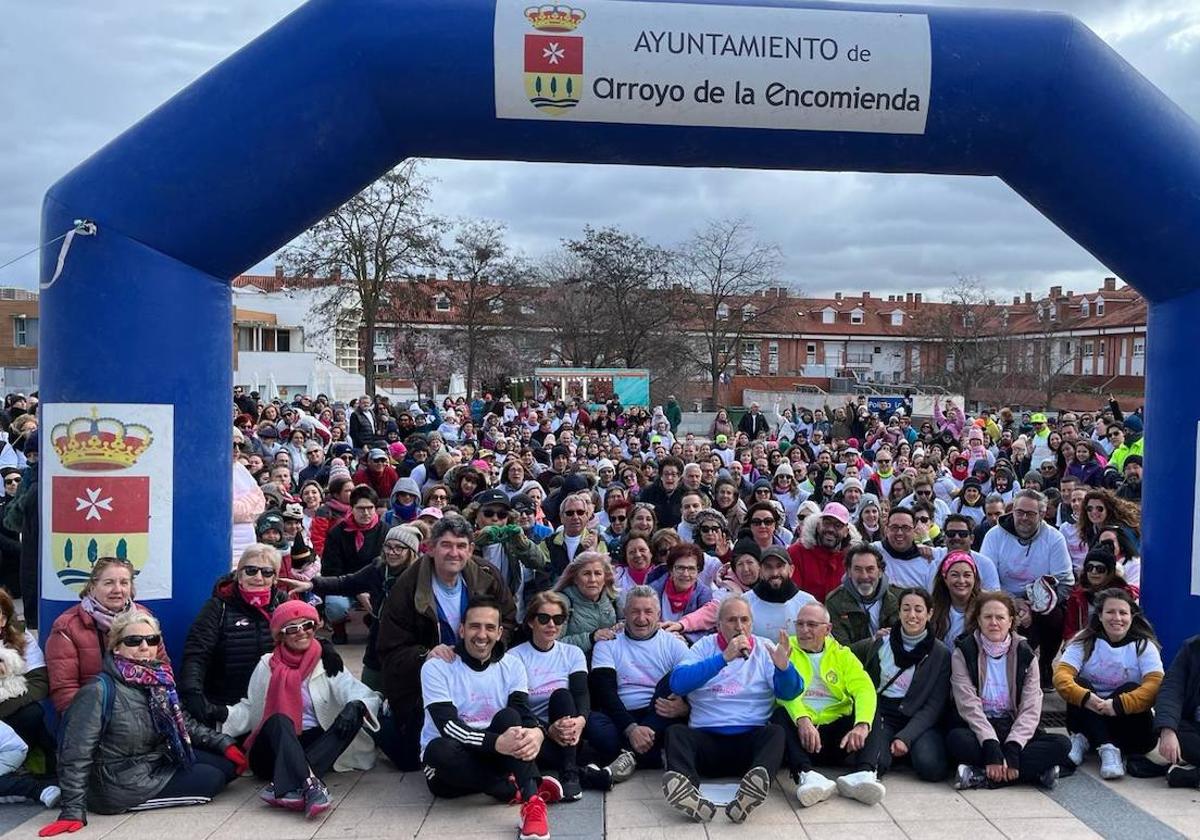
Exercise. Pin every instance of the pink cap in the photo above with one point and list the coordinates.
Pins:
(436, 513)
(837, 511)
(289, 611)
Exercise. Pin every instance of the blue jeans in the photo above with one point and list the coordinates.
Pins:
(337, 607)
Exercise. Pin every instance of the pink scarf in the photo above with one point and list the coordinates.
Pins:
(289, 670)
(360, 531)
(638, 577)
(258, 600)
(722, 643)
(994, 649)
(678, 600)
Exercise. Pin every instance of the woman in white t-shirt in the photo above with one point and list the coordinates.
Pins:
(558, 693)
(1109, 675)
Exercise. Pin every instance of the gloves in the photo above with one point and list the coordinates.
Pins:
(240, 762)
(349, 720)
(60, 827)
(331, 659)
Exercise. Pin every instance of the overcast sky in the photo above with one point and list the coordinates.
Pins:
(77, 73)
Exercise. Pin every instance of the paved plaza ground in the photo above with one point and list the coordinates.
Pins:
(385, 805)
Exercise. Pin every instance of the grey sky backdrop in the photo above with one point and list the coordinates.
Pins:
(77, 73)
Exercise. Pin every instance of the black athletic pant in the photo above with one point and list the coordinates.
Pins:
(799, 760)
(1132, 734)
(287, 759)
(1042, 752)
(453, 769)
(1045, 634)
(399, 737)
(703, 752)
(554, 756)
(195, 785)
(927, 753)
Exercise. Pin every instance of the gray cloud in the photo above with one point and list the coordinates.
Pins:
(79, 73)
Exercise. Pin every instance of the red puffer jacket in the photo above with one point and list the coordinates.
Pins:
(75, 653)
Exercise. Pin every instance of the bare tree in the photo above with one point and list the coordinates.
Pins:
(366, 247)
(969, 336)
(729, 275)
(1051, 350)
(424, 358)
(577, 335)
(485, 277)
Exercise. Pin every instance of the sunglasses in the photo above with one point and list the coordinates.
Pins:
(574, 513)
(251, 571)
(922, 518)
(956, 534)
(1095, 567)
(762, 523)
(300, 627)
(494, 513)
(545, 618)
(1096, 508)
(13, 480)
(151, 639)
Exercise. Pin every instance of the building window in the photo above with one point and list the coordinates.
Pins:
(1139, 347)
(1084, 308)
(1099, 307)
(722, 311)
(1066, 348)
(442, 303)
(1053, 311)
(245, 338)
(750, 359)
(856, 316)
(748, 312)
(827, 316)
(773, 358)
(897, 319)
(526, 309)
(1087, 349)
(496, 306)
(968, 320)
(1100, 345)
(25, 331)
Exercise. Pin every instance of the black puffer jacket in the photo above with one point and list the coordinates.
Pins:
(110, 768)
(222, 649)
(341, 557)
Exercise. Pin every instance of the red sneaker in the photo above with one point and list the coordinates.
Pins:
(551, 790)
(533, 820)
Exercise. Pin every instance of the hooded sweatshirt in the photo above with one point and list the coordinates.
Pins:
(1020, 562)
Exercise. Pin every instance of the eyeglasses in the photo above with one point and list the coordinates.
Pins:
(1114, 434)
(762, 523)
(691, 570)
(1095, 567)
(574, 512)
(956, 534)
(924, 492)
(438, 497)
(394, 546)
(809, 625)
(251, 571)
(899, 528)
(299, 627)
(1026, 513)
(151, 639)
(545, 618)
(494, 513)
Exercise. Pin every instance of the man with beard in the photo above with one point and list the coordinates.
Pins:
(818, 557)
(1131, 488)
(866, 601)
(908, 564)
(775, 600)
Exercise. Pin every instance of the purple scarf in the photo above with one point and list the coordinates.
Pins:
(165, 710)
(102, 615)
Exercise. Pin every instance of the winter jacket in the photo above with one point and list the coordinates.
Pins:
(223, 647)
(851, 623)
(967, 667)
(75, 654)
(110, 768)
(700, 596)
(1179, 695)
(666, 505)
(586, 618)
(341, 557)
(329, 696)
(12, 750)
(927, 693)
(408, 626)
(26, 679)
(381, 482)
(816, 569)
(846, 680)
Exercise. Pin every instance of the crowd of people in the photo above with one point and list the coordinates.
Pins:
(558, 594)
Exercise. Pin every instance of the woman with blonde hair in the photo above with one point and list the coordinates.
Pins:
(75, 647)
(589, 586)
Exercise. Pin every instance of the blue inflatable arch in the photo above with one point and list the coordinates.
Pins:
(266, 143)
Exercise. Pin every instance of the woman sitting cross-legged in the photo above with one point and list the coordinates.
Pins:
(996, 686)
(1109, 675)
(302, 719)
(127, 744)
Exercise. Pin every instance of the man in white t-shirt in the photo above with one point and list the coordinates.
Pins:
(775, 599)
(632, 702)
(732, 680)
(480, 735)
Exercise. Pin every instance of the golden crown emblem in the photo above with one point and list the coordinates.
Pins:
(99, 443)
(555, 18)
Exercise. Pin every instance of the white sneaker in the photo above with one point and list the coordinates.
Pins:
(1111, 765)
(863, 786)
(1079, 748)
(813, 788)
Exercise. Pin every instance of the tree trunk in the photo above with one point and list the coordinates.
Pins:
(369, 349)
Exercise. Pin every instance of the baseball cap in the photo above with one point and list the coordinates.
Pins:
(431, 512)
(492, 497)
(776, 553)
(377, 455)
(722, 439)
(835, 510)
(1037, 417)
(522, 503)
